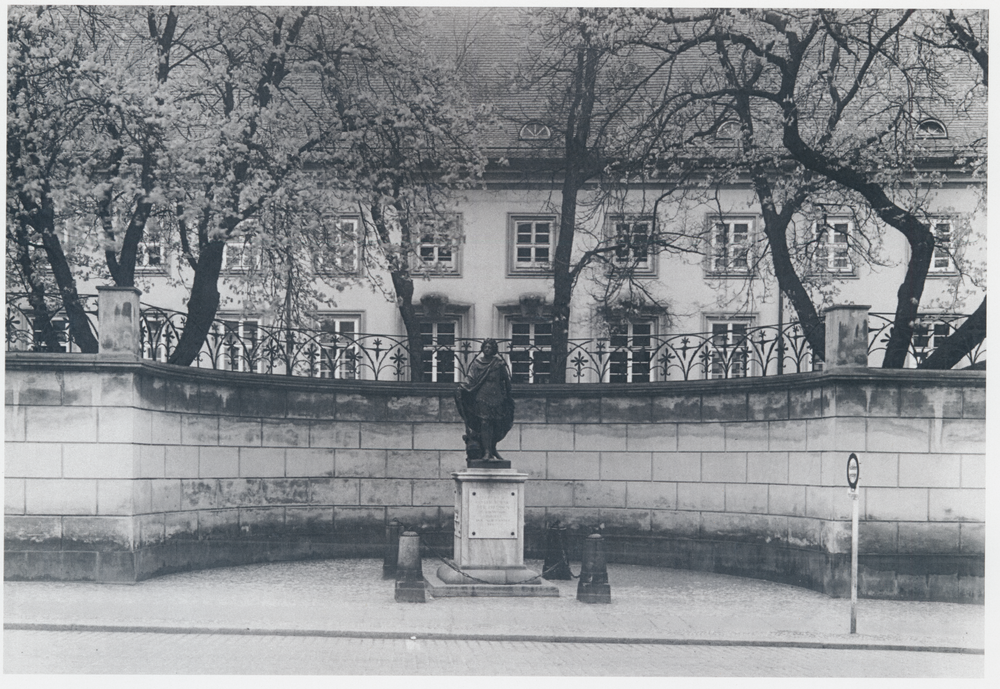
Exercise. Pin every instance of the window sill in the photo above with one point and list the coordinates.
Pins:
(644, 273)
(440, 273)
(337, 273)
(728, 274)
(837, 275)
(525, 273)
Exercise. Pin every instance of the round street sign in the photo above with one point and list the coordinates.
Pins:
(853, 470)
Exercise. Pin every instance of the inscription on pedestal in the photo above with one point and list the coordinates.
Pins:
(492, 513)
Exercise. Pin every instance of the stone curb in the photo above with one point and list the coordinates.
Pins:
(535, 638)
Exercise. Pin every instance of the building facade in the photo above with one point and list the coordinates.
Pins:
(490, 273)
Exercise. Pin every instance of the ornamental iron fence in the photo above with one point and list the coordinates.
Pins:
(929, 332)
(25, 332)
(626, 355)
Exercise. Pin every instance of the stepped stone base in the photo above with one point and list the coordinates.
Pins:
(489, 582)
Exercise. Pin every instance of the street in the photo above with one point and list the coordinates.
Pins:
(88, 652)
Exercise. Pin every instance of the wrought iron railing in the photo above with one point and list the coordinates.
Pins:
(24, 332)
(249, 346)
(929, 331)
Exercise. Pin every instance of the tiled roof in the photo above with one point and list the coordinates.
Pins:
(488, 43)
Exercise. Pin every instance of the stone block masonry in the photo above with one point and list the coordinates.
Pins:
(119, 470)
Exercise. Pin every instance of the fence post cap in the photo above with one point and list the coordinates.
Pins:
(855, 307)
(116, 288)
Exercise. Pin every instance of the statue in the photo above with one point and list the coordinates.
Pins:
(485, 404)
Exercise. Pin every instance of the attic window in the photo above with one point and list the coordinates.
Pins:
(535, 131)
(931, 129)
(728, 130)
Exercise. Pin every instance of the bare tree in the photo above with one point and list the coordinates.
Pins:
(587, 67)
(403, 138)
(841, 91)
(968, 36)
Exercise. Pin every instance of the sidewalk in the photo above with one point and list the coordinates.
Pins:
(350, 598)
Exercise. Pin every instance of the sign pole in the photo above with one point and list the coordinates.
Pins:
(853, 472)
(854, 561)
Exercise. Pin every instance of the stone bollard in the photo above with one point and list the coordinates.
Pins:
(409, 571)
(556, 566)
(391, 550)
(593, 586)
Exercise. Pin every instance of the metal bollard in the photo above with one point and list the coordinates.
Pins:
(409, 571)
(556, 565)
(391, 550)
(594, 586)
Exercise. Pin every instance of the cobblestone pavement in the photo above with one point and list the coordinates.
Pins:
(201, 654)
(325, 601)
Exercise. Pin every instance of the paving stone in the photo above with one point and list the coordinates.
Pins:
(346, 595)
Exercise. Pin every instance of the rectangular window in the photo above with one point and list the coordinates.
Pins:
(631, 352)
(730, 245)
(60, 328)
(434, 252)
(236, 344)
(437, 338)
(150, 255)
(530, 351)
(942, 260)
(154, 337)
(631, 239)
(437, 250)
(728, 350)
(532, 244)
(833, 237)
(928, 334)
(339, 353)
(340, 255)
(239, 256)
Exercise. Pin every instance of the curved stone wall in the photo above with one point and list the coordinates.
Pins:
(122, 471)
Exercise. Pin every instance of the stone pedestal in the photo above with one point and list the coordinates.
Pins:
(489, 539)
(846, 337)
(118, 321)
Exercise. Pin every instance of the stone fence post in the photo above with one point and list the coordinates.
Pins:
(846, 336)
(118, 321)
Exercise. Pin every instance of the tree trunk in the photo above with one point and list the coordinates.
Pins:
(582, 93)
(130, 245)
(562, 279)
(917, 234)
(402, 283)
(40, 215)
(908, 299)
(776, 231)
(960, 343)
(41, 317)
(813, 326)
(202, 305)
(79, 324)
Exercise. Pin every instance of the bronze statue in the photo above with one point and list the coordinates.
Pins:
(485, 404)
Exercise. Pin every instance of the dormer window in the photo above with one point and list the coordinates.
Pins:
(931, 129)
(728, 131)
(535, 131)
